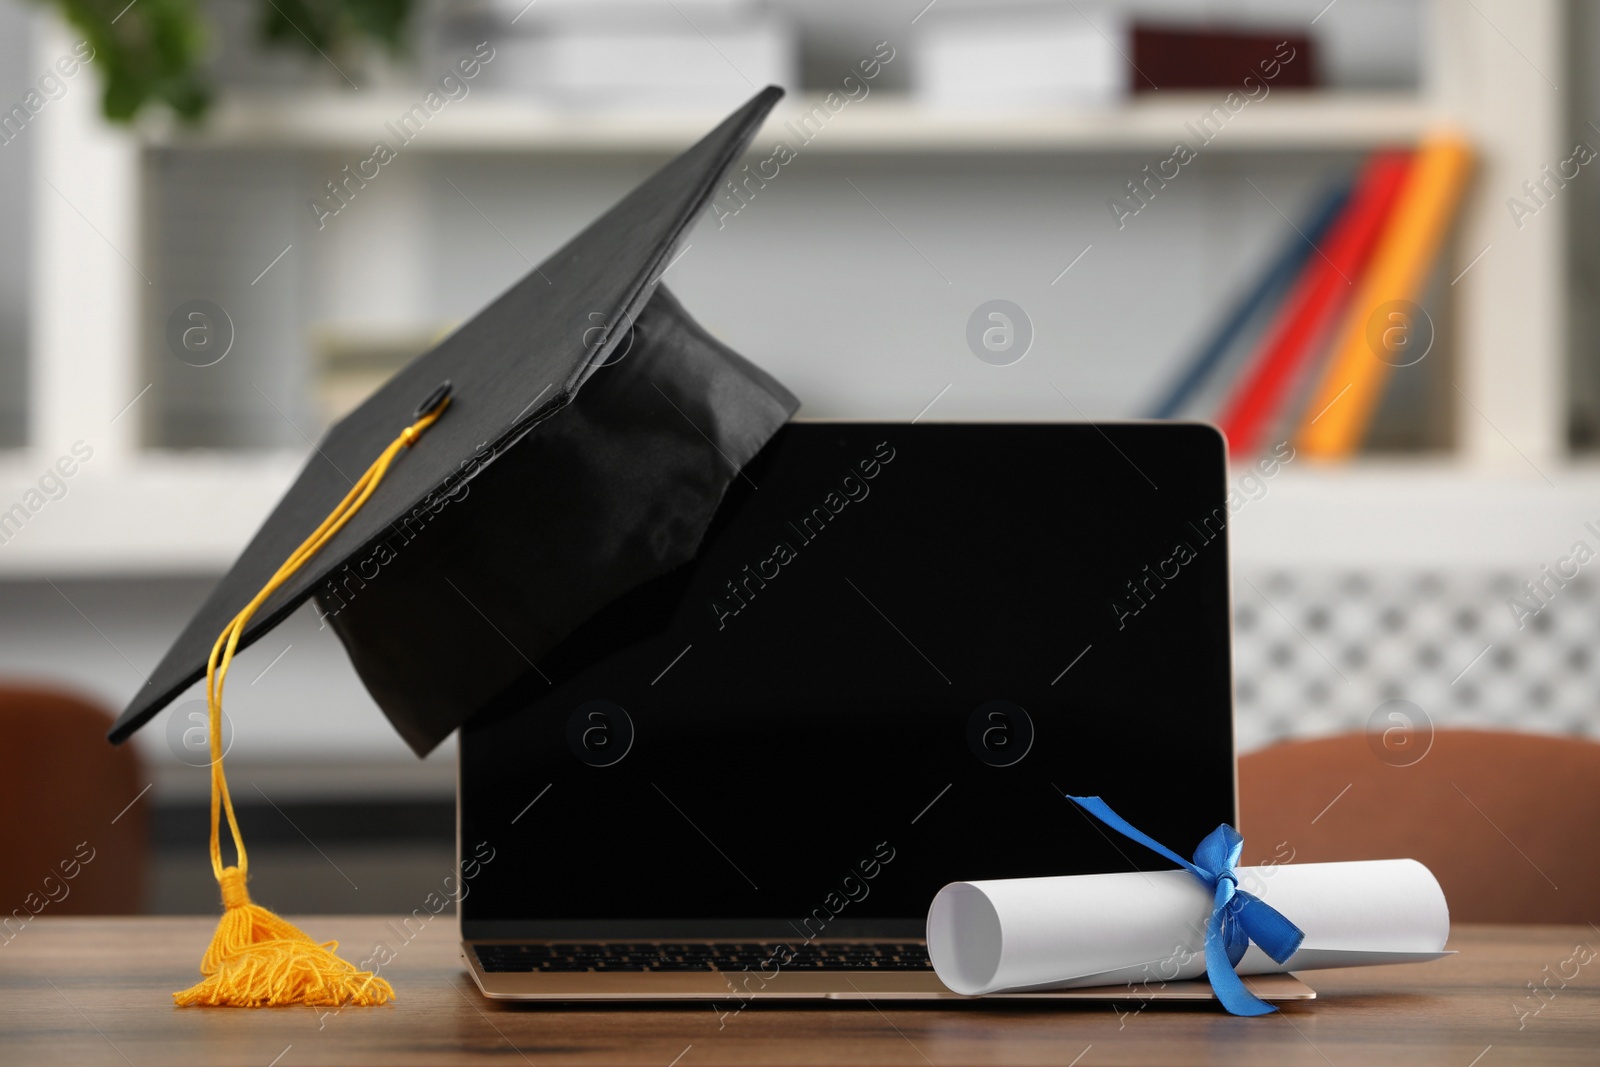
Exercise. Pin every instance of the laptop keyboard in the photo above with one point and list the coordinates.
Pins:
(563, 957)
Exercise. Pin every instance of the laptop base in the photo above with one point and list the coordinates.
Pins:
(739, 986)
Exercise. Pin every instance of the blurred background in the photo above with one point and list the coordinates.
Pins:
(294, 199)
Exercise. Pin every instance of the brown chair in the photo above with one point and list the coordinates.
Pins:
(1506, 821)
(72, 842)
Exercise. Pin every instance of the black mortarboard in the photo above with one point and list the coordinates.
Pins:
(593, 428)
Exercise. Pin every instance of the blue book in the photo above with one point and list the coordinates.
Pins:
(1271, 285)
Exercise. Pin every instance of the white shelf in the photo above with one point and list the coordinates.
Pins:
(1286, 121)
(152, 514)
(1418, 515)
(185, 514)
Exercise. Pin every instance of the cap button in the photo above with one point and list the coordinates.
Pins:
(433, 399)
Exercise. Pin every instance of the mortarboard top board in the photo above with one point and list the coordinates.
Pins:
(592, 430)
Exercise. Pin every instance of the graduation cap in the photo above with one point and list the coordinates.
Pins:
(567, 444)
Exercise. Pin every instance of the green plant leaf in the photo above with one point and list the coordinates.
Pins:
(151, 52)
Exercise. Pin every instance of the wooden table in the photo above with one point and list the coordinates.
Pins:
(96, 991)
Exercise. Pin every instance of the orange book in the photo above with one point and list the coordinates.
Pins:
(1379, 321)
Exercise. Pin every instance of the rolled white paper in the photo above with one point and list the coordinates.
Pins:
(1109, 929)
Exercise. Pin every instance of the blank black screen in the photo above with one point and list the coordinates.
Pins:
(837, 678)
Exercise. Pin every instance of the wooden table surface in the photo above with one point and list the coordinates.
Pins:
(96, 991)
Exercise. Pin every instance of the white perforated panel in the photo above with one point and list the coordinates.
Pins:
(1318, 653)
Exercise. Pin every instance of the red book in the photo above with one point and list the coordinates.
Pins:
(1325, 285)
(1248, 62)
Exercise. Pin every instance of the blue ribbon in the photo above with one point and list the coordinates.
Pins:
(1237, 917)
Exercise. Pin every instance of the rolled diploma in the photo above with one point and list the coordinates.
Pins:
(1109, 929)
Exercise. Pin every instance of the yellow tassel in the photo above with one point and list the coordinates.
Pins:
(257, 959)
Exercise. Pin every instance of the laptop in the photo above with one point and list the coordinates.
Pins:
(898, 648)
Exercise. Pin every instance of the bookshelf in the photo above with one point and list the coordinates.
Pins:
(139, 510)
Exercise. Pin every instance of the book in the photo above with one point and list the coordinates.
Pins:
(1341, 406)
(1324, 288)
(648, 57)
(975, 59)
(1182, 57)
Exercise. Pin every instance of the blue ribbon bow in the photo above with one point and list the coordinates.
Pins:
(1237, 917)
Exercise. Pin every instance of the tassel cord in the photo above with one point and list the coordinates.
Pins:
(255, 957)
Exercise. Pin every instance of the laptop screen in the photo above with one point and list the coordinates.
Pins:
(899, 646)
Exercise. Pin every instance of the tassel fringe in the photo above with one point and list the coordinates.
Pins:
(258, 960)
